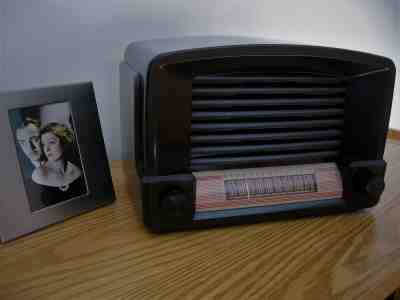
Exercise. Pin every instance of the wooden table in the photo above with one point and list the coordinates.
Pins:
(108, 254)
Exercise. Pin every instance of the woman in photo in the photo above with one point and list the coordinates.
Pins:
(62, 179)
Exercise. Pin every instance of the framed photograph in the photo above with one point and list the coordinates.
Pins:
(53, 156)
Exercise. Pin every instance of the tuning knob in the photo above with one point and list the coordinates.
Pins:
(174, 202)
(375, 186)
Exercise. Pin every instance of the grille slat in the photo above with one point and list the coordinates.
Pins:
(223, 115)
(225, 92)
(198, 163)
(219, 80)
(254, 137)
(213, 127)
(257, 119)
(218, 103)
(201, 151)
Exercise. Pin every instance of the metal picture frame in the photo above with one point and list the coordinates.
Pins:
(41, 182)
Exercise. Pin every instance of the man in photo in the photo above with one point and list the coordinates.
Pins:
(29, 141)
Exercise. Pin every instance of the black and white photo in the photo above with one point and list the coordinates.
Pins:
(48, 154)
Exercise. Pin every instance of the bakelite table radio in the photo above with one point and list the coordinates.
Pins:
(228, 130)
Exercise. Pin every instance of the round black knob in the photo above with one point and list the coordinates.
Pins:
(173, 202)
(375, 186)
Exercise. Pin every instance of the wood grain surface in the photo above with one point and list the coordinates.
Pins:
(108, 254)
(394, 134)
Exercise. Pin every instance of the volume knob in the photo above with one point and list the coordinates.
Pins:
(375, 186)
(174, 202)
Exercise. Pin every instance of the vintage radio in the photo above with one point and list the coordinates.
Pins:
(230, 130)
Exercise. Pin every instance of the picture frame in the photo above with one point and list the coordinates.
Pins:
(53, 157)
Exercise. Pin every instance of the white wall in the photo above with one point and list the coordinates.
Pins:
(61, 41)
(2, 42)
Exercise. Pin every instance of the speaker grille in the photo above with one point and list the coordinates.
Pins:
(251, 118)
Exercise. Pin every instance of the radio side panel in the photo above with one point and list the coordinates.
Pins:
(127, 96)
(129, 102)
(131, 94)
